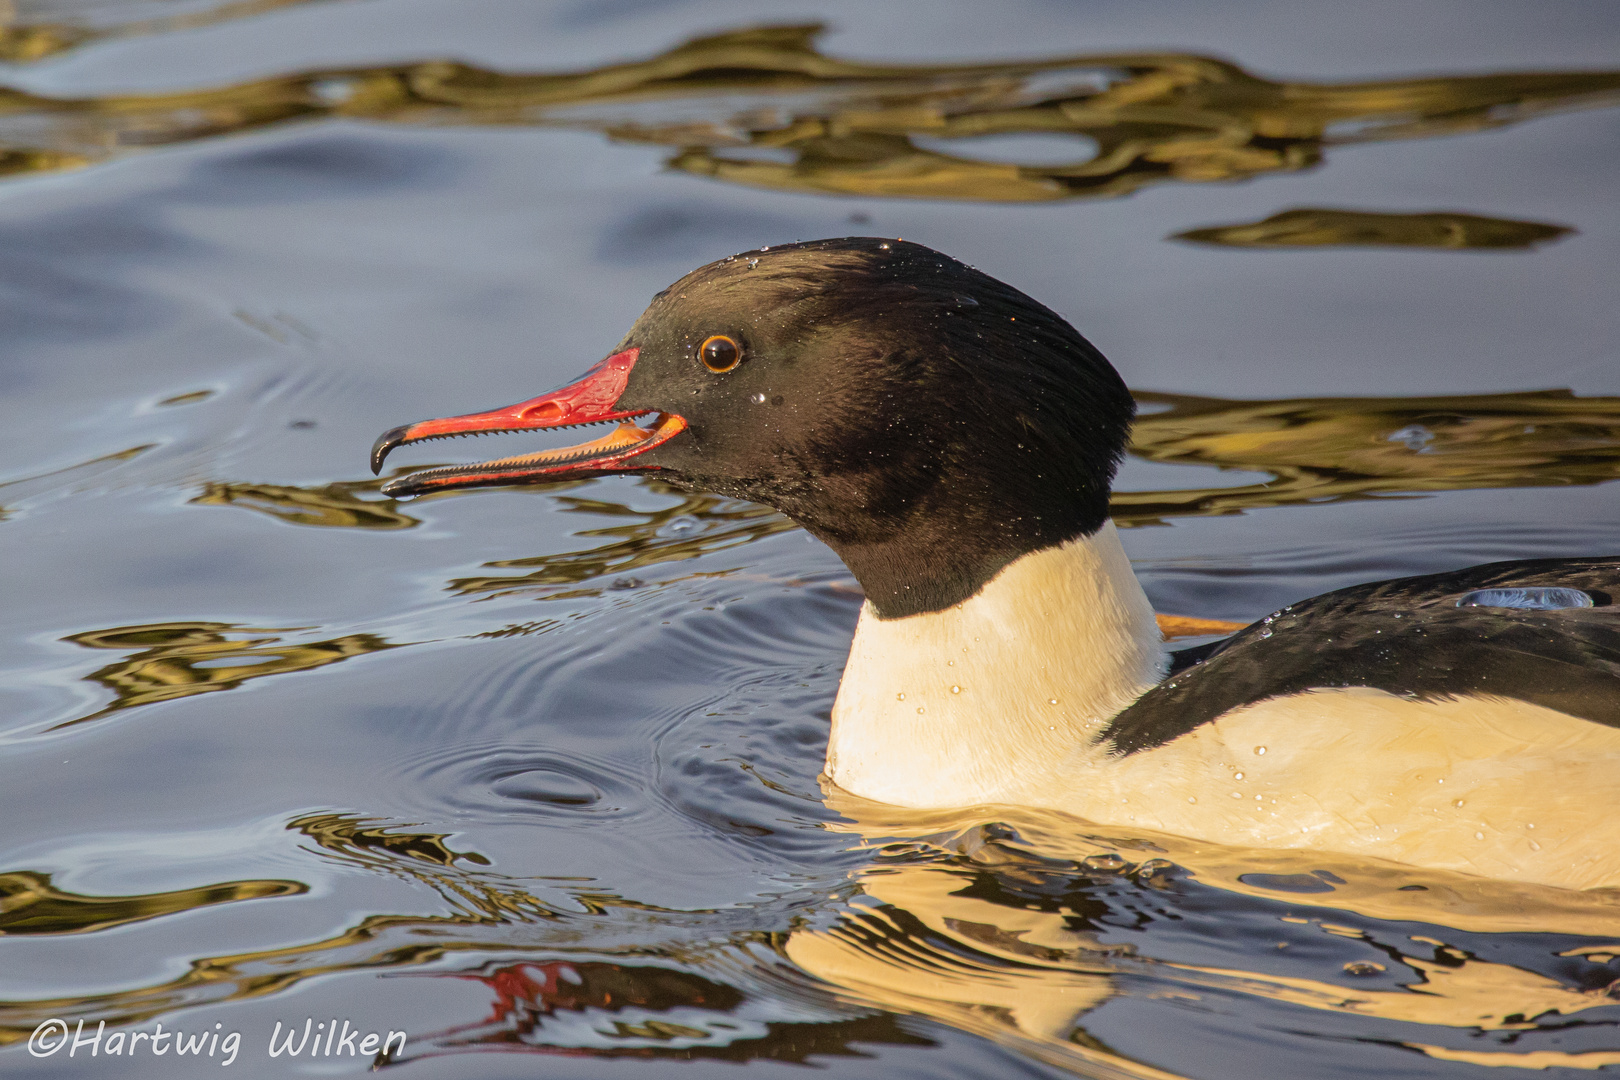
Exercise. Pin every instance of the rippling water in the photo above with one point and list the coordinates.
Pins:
(534, 772)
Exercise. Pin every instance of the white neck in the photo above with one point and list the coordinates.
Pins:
(997, 698)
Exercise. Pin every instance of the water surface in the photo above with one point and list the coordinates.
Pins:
(531, 775)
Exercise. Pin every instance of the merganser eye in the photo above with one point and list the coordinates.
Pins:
(720, 354)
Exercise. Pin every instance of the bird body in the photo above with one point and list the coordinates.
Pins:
(953, 441)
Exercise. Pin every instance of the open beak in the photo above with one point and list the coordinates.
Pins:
(592, 400)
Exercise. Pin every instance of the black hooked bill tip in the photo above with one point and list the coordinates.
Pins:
(386, 442)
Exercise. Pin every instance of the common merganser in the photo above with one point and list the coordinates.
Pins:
(953, 441)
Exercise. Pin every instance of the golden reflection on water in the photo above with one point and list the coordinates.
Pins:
(1337, 449)
(31, 905)
(376, 841)
(32, 30)
(173, 660)
(336, 505)
(762, 106)
(1313, 227)
(488, 910)
(698, 524)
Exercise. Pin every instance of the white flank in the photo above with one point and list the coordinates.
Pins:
(1001, 698)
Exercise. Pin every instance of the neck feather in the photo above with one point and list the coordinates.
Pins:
(1000, 695)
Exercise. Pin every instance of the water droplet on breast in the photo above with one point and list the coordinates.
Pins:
(1237, 776)
(1479, 836)
(1363, 968)
(1534, 846)
(1459, 802)
(1259, 750)
(758, 399)
(1265, 633)
(956, 689)
(1192, 798)
(921, 710)
(1052, 701)
(900, 696)
(1107, 864)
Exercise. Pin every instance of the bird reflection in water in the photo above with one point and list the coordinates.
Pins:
(1018, 929)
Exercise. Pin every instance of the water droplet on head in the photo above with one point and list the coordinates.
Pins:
(1534, 846)
(1107, 864)
(1237, 794)
(1052, 701)
(1265, 633)
(1237, 776)
(900, 696)
(758, 399)
(1363, 967)
(1459, 802)
(956, 689)
(1479, 836)
(1192, 798)
(1259, 750)
(921, 710)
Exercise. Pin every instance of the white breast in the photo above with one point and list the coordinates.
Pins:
(988, 701)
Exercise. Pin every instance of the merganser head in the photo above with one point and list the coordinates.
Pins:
(928, 422)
